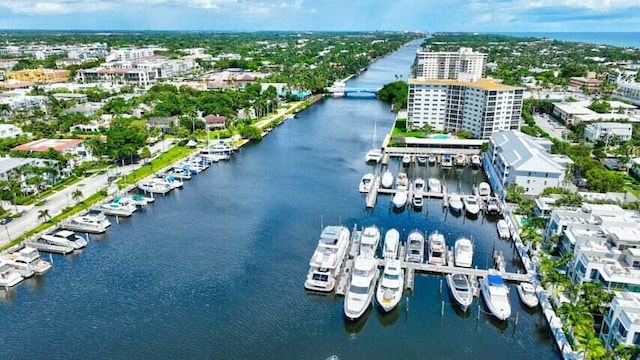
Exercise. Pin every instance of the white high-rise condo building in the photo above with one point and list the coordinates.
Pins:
(482, 107)
(464, 64)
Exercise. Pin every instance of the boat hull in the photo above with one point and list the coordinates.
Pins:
(463, 302)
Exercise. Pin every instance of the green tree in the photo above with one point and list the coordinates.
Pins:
(576, 316)
(145, 153)
(514, 193)
(44, 215)
(251, 132)
(77, 195)
(590, 344)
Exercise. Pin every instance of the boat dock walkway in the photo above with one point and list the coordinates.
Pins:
(372, 195)
(353, 250)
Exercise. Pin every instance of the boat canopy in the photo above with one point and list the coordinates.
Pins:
(495, 280)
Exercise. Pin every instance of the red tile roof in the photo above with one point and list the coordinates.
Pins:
(215, 119)
(43, 145)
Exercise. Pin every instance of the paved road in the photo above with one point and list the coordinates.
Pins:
(61, 199)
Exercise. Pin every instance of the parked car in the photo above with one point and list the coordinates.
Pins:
(6, 220)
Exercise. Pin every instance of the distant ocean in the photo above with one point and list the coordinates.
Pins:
(622, 39)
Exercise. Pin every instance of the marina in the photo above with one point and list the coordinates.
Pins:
(195, 261)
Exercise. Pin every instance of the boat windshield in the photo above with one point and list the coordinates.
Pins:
(471, 201)
(391, 277)
(320, 277)
(359, 290)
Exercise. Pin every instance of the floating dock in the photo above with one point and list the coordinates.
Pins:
(372, 195)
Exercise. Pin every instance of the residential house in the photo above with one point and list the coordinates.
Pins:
(162, 123)
(9, 131)
(74, 147)
(215, 121)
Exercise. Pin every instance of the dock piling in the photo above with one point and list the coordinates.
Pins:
(442, 309)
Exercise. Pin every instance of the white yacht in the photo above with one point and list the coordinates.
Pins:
(28, 258)
(461, 159)
(154, 186)
(527, 294)
(374, 155)
(65, 238)
(484, 189)
(387, 180)
(496, 295)
(369, 241)
(421, 160)
(361, 287)
(418, 185)
(434, 185)
(402, 182)
(179, 173)
(461, 290)
(463, 252)
(326, 261)
(492, 206)
(418, 200)
(503, 229)
(390, 286)
(471, 204)
(174, 183)
(447, 161)
(432, 159)
(475, 161)
(455, 202)
(406, 160)
(136, 199)
(400, 198)
(366, 182)
(391, 243)
(415, 247)
(118, 208)
(8, 275)
(437, 249)
(92, 222)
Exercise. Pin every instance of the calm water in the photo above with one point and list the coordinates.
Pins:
(622, 39)
(216, 270)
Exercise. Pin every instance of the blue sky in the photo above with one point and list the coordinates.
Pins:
(428, 15)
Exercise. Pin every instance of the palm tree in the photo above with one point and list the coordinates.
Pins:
(77, 195)
(576, 316)
(44, 214)
(626, 352)
(591, 345)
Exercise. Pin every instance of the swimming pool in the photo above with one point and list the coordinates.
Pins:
(440, 137)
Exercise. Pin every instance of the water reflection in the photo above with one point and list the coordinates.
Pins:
(354, 327)
(387, 319)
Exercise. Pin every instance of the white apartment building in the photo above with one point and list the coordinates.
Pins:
(628, 91)
(127, 54)
(464, 64)
(621, 324)
(9, 131)
(517, 158)
(481, 107)
(605, 130)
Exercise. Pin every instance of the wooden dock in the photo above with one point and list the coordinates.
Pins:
(345, 276)
(409, 274)
(372, 195)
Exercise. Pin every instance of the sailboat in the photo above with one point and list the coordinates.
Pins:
(375, 154)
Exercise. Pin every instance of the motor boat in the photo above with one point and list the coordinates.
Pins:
(496, 295)
(434, 185)
(418, 200)
(366, 182)
(492, 206)
(499, 261)
(390, 286)
(387, 180)
(361, 287)
(391, 243)
(503, 229)
(418, 185)
(461, 290)
(369, 241)
(463, 251)
(437, 249)
(447, 161)
(432, 159)
(475, 161)
(471, 204)
(527, 293)
(400, 198)
(415, 247)
(422, 160)
(154, 186)
(136, 199)
(28, 259)
(92, 222)
(484, 189)
(65, 238)
(174, 183)
(8, 275)
(455, 202)
(118, 208)
(461, 159)
(179, 173)
(402, 182)
(373, 155)
(326, 260)
(406, 160)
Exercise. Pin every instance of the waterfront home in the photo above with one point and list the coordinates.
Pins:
(621, 323)
(73, 147)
